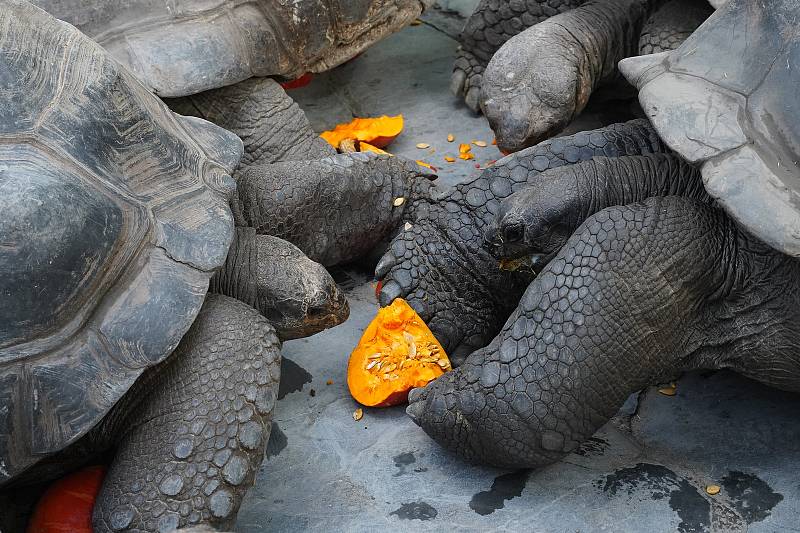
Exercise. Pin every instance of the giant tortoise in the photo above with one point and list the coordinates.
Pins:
(187, 46)
(117, 215)
(541, 78)
(640, 270)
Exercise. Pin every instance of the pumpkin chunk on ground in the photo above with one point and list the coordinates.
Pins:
(396, 353)
(66, 506)
(378, 131)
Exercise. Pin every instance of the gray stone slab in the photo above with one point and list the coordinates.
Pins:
(645, 471)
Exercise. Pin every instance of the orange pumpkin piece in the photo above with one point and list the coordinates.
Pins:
(378, 131)
(396, 353)
(297, 83)
(66, 506)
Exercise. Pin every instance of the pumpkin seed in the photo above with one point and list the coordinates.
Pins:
(713, 490)
(671, 390)
(358, 414)
(450, 137)
(371, 364)
(398, 201)
(408, 226)
(479, 143)
(374, 356)
(422, 146)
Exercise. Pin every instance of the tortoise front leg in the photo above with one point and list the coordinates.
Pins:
(624, 303)
(189, 450)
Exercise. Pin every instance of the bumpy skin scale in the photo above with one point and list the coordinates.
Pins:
(673, 24)
(542, 78)
(271, 125)
(492, 24)
(438, 262)
(334, 209)
(639, 292)
(192, 438)
(297, 295)
(539, 218)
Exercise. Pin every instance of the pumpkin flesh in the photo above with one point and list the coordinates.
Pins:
(396, 353)
(378, 131)
(66, 506)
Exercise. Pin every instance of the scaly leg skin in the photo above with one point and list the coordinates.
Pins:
(538, 219)
(492, 24)
(334, 209)
(189, 450)
(541, 79)
(297, 295)
(638, 293)
(258, 110)
(673, 24)
(438, 262)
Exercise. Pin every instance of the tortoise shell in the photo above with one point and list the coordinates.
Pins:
(115, 215)
(182, 47)
(727, 98)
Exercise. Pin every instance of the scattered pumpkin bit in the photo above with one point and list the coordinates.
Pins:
(422, 146)
(669, 390)
(450, 137)
(479, 143)
(378, 131)
(67, 504)
(713, 490)
(329, 382)
(416, 22)
(449, 159)
(358, 414)
(398, 201)
(465, 152)
(396, 353)
(364, 146)
(378, 287)
(302, 81)
(426, 165)
(494, 142)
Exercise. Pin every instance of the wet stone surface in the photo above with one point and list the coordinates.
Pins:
(647, 470)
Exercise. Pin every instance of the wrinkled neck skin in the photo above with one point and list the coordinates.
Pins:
(751, 323)
(606, 32)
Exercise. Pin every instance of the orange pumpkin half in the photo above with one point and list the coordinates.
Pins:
(396, 353)
(66, 506)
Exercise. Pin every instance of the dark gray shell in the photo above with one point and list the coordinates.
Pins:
(181, 47)
(114, 215)
(728, 98)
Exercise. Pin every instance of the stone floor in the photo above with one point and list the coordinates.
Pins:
(646, 471)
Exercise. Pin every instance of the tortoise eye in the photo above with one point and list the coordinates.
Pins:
(513, 232)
